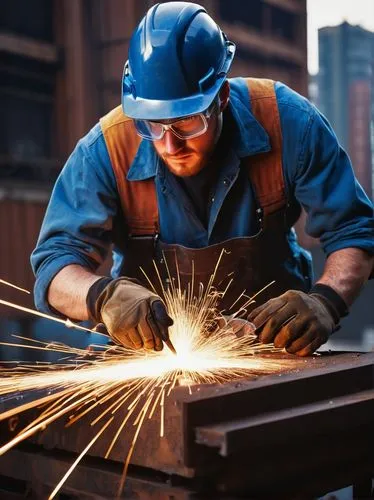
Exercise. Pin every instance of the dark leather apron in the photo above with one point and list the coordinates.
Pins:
(250, 263)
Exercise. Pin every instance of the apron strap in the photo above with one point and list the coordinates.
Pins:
(138, 198)
(265, 169)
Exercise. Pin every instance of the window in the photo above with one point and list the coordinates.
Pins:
(283, 24)
(30, 18)
(237, 11)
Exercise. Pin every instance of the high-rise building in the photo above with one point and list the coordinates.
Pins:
(346, 93)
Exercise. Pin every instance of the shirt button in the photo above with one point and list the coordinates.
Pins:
(225, 182)
(212, 200)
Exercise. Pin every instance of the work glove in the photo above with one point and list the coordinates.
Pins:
(297, 321)
(134, 316)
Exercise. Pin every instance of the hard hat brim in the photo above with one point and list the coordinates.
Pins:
(153, 109)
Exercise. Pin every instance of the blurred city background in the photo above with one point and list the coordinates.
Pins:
(60, 70)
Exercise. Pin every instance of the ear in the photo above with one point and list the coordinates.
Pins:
(224, 95)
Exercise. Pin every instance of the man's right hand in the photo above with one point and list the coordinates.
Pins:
(134, 316)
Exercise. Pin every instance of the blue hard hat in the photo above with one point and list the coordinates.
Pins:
(178, 61)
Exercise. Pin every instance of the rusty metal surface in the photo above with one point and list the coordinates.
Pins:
(303, 469)
(313, 422)
(307, 467)
(165, 454)
(279, 426)
(191, 417)
(20, 223)
(313, 379)
(92, 480)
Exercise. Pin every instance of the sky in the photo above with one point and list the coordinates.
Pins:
(331, 13)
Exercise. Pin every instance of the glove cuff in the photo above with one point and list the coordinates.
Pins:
(96, 297)
(93, 294)
(331, 299)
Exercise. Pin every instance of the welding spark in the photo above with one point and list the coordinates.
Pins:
(66, 322)
(117, 378)
(14, 286)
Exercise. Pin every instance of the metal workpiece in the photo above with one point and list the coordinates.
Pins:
(42, 470)
(307, 430)
(322, 397)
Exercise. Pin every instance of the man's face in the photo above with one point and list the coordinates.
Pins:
(187, 157)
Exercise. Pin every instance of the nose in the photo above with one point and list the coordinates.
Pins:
(172, 143)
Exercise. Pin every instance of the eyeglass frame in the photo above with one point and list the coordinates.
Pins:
(205, 115)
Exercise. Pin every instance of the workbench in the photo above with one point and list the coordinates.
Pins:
(295, 434)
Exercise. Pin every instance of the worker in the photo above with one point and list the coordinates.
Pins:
(194, 168)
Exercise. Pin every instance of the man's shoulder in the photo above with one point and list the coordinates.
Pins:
(92, 146)
(115, 117)
(287, 98)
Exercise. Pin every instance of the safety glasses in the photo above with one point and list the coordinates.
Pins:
(184, 128)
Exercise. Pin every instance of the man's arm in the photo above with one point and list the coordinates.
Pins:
(77, 228)
(68, 291)
(302, 322)
(346, 271)
(320, 177)
(74, 240)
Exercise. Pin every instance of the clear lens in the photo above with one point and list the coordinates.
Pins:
(149, 130)
(184, 128)
(189, 127)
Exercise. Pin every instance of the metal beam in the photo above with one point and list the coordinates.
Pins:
(317, 409)
(92, 480)
(296, 6)
(265, 46)
(29, 47)
(269, 429)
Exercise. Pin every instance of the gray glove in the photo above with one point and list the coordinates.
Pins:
(299, 322)
(134, 316)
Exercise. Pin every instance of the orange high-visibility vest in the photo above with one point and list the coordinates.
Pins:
(138, 198)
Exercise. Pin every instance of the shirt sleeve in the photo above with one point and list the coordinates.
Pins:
(77, 227)
(338, 210)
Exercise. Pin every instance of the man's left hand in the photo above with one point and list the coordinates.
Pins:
(295, 320)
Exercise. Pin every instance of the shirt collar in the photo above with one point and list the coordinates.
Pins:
(250, 137)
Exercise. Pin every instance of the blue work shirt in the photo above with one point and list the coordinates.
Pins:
(84, 216)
